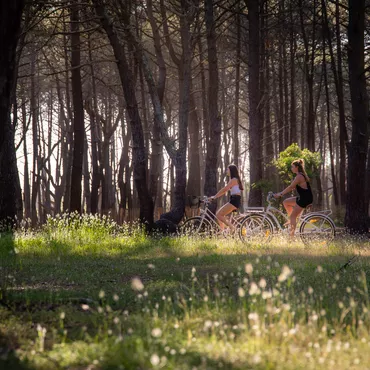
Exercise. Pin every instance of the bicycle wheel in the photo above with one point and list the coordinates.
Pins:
(196, 226)
(256, 229)
(317, 229)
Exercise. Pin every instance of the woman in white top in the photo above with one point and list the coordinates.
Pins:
(235, 186)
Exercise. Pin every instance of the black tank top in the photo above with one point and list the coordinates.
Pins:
(305, 194)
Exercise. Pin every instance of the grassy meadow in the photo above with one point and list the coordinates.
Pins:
(87, 294)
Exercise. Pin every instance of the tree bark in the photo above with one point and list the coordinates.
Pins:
(293, 115)
(237, 92)
(10, 24)
(78, 111)
(357, 218)
(327, 95)
(139, 154)
(255, 149)
(214, 142)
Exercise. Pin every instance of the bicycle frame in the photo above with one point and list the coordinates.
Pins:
(207, 214)
(270, 210)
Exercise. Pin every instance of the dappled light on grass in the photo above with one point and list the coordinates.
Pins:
(119, 299)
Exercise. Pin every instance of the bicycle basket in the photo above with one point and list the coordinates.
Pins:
(193, 201)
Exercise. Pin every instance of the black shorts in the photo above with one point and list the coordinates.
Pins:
(235, 200)
(304, 202)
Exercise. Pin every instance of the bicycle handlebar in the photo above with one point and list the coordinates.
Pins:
(206, 200)
(270, 197)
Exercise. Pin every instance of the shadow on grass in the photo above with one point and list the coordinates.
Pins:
(8, 260)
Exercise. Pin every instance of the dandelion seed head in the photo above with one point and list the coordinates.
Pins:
(262, 283)
(156, 332)
(241, 292)
(154, 359)
(285, 273)
(253, 316)
(62, 315)
(136, 284)
(101, 294)
(248, 268)
(254, 289)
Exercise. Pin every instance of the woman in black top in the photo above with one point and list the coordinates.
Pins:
(295, 205)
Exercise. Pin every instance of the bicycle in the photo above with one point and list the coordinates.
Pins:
(206, 224)
(261, 224)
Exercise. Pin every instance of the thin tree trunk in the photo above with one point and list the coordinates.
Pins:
(255, 157)
(214, 142)
(331, 151)
(293, 105)
(237, 92)
(35, 144)
(193, 186)
(86, 178)
(78, 111)
(357, 218)
(338, 81)
(26, 174)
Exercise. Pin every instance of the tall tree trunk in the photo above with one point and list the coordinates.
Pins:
(35, 144)
(86, 178)
(255, 149)
(331, 151)
(309, 74)
(265, 91)
(193, 186)
(10, 23)
(26, 174)
(237, 92)
(139, 154)
(157, 147)
(78, 111)
(293, 116)
(281, 123)
(123, 170)
(214, 142)
(357, 218)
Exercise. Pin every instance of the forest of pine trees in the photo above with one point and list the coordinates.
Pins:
(126, 107)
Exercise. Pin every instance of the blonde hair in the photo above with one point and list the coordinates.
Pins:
(300, 164)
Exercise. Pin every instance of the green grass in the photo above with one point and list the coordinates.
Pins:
(87, 294)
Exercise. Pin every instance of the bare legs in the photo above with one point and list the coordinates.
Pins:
(297, 210)
(293, 210)
(289, 204)
(222, 212)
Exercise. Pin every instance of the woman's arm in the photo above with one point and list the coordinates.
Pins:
(231, 183)
(291, 187)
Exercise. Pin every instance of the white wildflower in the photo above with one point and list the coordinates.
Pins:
(154, 359)
(285, 273)
(156, 332)
(136, 284)
(249, 268)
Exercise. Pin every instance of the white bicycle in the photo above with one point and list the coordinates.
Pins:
(261, 224)
(206, 224)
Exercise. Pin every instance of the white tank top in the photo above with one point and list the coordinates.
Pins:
(235, 190)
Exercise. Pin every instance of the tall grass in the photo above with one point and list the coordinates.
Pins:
(85, 292)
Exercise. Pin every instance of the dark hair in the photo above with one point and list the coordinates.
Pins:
(300, 164)
(234, 174)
